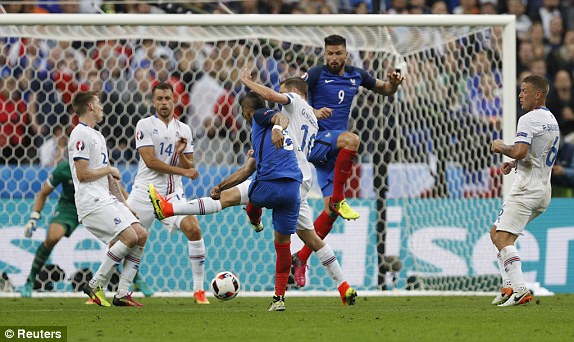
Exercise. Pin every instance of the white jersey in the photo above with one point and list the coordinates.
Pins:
(302, 129)
(89, 144)
(152, 131)
(539, 129)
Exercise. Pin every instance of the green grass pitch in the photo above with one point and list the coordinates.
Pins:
(306, 319)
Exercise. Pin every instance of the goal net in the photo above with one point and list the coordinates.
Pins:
(425, 183)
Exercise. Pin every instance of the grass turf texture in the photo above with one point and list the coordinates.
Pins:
(306, 319)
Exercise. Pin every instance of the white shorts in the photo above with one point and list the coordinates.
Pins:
(521, 207)
(305, 220)
(109, 221)
(141, 203)
(244, 191)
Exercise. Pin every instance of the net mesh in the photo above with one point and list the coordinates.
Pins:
(425, 150)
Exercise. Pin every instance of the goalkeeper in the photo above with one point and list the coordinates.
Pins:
(64, 223)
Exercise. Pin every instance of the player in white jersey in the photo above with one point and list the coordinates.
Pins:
(165, 145)
(97, 192)
(233, 191)
(534, 152)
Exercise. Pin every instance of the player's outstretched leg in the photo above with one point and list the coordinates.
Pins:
(162, 208)
(348, 144)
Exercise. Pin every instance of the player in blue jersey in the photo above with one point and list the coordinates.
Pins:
(334, 85)
(276, 183)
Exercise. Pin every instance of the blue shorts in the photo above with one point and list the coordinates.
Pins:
(323, 156)
(283, 197)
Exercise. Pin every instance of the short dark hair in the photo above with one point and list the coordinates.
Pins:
(335, 39)
(296, 82)
(82, 99)
(253, 101)
(540, 83)
(162, 86)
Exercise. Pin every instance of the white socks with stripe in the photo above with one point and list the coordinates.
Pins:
(200, 206)
(505, 279)
(113, 257)
(330, 262)
(196, 251)
(130, 267)
(513, 268)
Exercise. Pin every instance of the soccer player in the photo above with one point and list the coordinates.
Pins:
(97, 196)
(302, 124)
(165, 145)
(534, 152)
(334, 86)
(62, 224)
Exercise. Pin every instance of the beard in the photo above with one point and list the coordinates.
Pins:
(335, 69)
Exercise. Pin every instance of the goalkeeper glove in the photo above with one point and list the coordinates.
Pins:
(32, 223)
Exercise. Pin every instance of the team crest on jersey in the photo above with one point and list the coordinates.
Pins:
(80, 145)
(139, 135)
(155, 131)
(117, 220)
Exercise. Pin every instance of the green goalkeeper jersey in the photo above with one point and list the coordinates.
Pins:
(63, 175)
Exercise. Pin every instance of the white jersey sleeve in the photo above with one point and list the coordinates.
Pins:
(144, 131)
(525, 130)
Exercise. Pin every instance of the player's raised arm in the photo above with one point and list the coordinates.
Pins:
(391, 86)
(234, 179)
(516, 151)
(267, 93)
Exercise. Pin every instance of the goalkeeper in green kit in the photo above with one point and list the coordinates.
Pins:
(63, 223)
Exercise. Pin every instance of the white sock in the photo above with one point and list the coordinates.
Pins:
(505, 279)
(111, 260)
(196, 251)
(513, 268)
(130, 267)
(330, 262)
(200, 206)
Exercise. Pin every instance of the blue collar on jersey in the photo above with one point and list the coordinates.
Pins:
(543, 108)
(81, 123)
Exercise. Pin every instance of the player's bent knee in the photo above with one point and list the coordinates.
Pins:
(349, 141)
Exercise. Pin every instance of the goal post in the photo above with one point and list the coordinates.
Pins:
(425, 182)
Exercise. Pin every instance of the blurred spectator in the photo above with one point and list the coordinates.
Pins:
(523, 22)
(538, 67)
(55, 149)
(561, 103)
(467, 7)
(563, 57)
(418, 7)
(525, 56)
(13, 122)
(540, 46)
(439, 7)
(488, 7)
(398, 7)
(563, 171)
(548, 11)
(556, 32)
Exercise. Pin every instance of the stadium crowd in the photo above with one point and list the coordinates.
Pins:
(39, 77)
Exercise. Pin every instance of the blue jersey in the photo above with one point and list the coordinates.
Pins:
(272, 163)
(336, 92)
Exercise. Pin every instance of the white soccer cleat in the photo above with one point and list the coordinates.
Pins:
(518, 299)
(502, 296)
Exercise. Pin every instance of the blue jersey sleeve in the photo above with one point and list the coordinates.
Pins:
(312, 77)
(367, 80)
(263, 116)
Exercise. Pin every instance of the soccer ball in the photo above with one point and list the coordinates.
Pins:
(225, 286)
